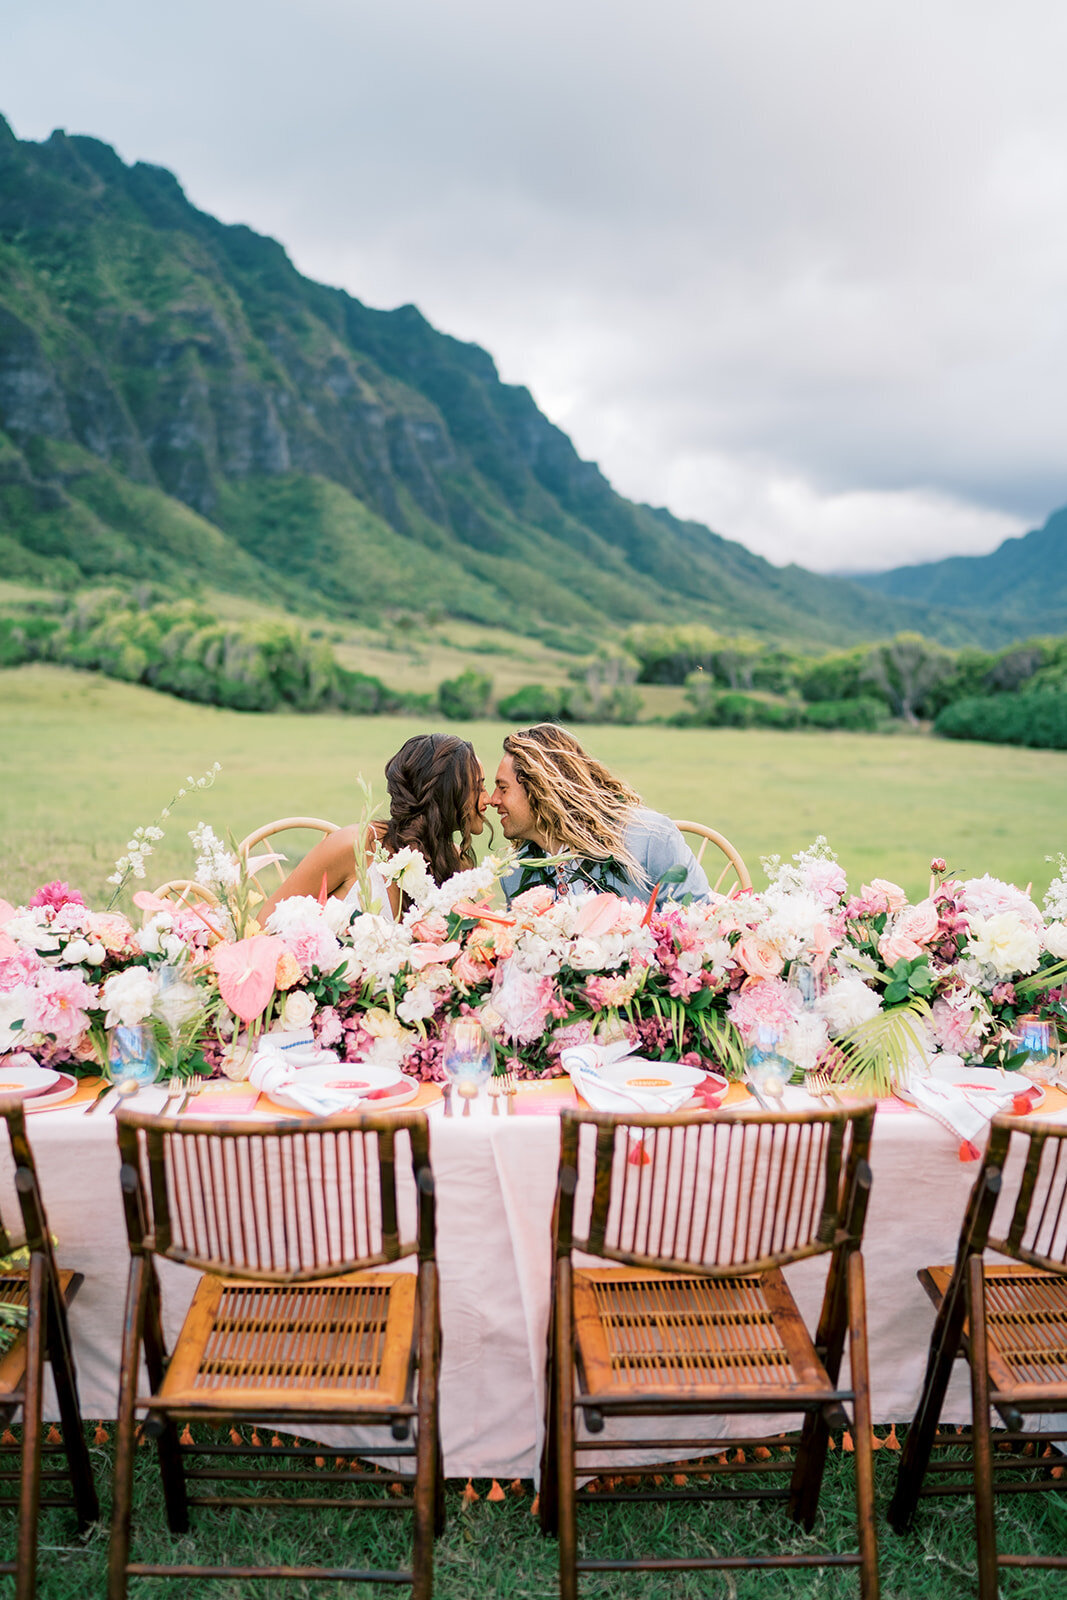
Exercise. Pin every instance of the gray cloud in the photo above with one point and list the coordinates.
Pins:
(795, 271)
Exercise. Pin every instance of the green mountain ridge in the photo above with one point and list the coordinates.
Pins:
(1023, 581)
(178, 404)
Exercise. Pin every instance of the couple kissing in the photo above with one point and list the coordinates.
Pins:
(574, 822)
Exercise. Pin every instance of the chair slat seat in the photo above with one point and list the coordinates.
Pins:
(245, 1345)
(657, 1333)
(1026, 1310)
(15, 1291)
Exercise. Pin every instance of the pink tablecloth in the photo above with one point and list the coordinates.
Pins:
(495, 1186)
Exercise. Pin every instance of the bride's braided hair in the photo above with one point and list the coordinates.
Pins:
(434, 781)
(577, 803)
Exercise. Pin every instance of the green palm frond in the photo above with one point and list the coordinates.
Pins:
(721, 1040)
(877, 1051)
(1044, 978)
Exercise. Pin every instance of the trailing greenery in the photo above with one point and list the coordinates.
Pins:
(1038, 720)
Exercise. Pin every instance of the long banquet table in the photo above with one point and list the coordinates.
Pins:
(495, 1184)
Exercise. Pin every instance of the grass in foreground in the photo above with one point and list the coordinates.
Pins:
(496, 1549)
(88, 759)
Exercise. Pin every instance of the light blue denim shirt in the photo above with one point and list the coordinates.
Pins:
(655, 844)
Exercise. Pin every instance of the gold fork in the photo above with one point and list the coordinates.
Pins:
(511, 1089)
(819, 1083)
(196, 1085)
(496, 1089)
(174, 1089)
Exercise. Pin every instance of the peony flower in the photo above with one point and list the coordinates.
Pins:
(1005, 943)
(55, 895)
(128, 996)
(988, 896)
(60, 1005)
(826, 880)
(760, 1003)
(1056, 940)
(848, 1003)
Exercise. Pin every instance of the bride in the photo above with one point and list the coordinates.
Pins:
(437, 802)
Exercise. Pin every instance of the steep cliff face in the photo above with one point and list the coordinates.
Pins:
(176, 399)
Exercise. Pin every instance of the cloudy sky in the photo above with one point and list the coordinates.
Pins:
(795, 270)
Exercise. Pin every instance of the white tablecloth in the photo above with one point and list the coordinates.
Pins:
(495, 1181)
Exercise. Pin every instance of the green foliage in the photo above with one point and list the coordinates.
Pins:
(861, 715)
(534, 702)
(713, 710)
(25, 638)
(466, 697)
(905, 672)
(1037, 719)
(834, 677)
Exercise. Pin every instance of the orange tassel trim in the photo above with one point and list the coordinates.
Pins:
(846, 1443)
(54, 1436)
(256, 1440)
(517, 1486)
(7, 1437)
(186, 1435)
(496, 1493)
(235, 1437)
(536, 1507)
(101, 1434)
(891, 1441)
(470, 1494)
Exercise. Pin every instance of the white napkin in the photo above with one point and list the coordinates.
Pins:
(582, 1064)
(965, 1113)
(271, 1071)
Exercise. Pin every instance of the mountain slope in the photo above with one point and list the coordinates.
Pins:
(178, 403)
(1023, 581)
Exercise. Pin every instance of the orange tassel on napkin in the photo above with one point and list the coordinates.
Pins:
(969, 1151)
(639, 1156)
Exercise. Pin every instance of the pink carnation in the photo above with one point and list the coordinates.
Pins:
(20, 967)
(56, 894)
(328, 1027)
(826, 880)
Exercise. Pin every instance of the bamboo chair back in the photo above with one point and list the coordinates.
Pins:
(1037, 1230)
(733, 862)
(285, 1204)
(280, 869)
(34, 1234)
(716, 1195)
(186, 891)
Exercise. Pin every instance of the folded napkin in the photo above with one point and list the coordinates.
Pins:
(965, 1112)
(583, 1063)
(272, 1071)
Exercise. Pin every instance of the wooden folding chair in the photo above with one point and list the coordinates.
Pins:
(1010, 1323)
(733, 863)
(46, 1292)
(288, 1326)
(695, 1318)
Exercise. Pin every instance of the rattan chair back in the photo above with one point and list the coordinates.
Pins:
(733, 863)
(288, 1203)
(1037, 1231)
(279, 869)
(719, 1195)
(185, 892)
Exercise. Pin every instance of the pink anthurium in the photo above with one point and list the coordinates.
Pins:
(246, 973)
(145, 900)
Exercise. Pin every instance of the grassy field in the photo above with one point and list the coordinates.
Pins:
(495, 1550)
(87, 759)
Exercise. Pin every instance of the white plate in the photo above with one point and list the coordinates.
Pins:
(66, 1088)
(657, 1077)
(357, 1079)
(27, 1078)
(979, 1080)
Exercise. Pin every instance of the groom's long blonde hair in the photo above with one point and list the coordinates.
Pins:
(576, 802)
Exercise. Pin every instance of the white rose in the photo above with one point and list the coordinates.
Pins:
(128, 997)
(298, 1010)
(1056, 940)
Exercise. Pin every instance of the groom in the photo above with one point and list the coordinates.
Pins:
(553, 799)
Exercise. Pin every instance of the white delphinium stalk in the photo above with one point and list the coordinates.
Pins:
(216, 867)
(1055, 901)
(144, 841)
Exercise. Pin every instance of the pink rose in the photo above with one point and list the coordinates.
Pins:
(466, 971)
(430, 929)
(758, 957)
(534, 900)
(893, 948)
(918, 922)
(826, 880)
(882, 889)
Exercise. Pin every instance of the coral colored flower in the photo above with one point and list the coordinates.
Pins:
(758, 958)
(287, 971)
(533, 901)
(430, 929)
(56, 894)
